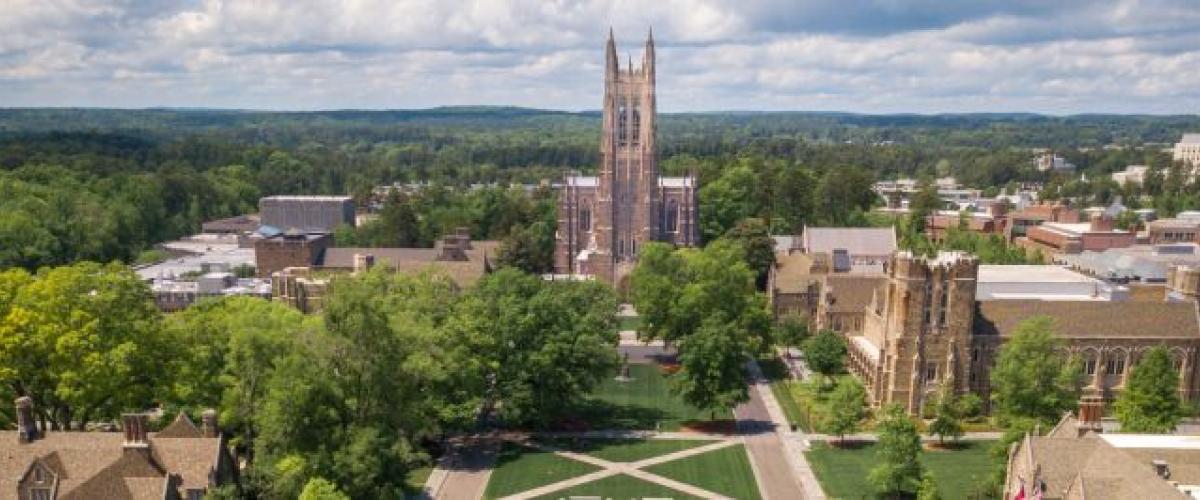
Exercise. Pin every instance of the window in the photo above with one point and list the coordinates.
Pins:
(637, 127)
(1089, 366)
(38, 475)
(671, 217)
(1115, 366)
(39, 493)
(975, 354)
(945, 303)
(585, 219)
(931, 371)
(622, 138)
(620, 247)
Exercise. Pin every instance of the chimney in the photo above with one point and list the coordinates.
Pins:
(134, 425)
(452, 249)
(464, 237)
(363, 262)
(1091, 409)
(208, 423)
(1102, 223)
(27, 430)
(1161, 468)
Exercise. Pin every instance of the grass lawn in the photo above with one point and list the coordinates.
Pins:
(726, 471)
(804, 405)
(519, 468)
(641, 403)
(782, 391)
(629, 323)
(625, 450)
(414, 482)
(843, 471)
(618, 487)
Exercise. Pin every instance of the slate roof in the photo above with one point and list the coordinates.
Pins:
(1088, 466)
(858, 241)
(1092, 319)
(792, 272)
(93, 465)
(851, 292)
(416, 260)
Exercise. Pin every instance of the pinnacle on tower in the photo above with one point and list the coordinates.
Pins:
(610, 55)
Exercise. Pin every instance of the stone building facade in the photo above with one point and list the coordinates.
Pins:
(924, 330)
(603, 220)
(917, 331)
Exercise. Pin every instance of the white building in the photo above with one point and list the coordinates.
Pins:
(1051, 162)
(1187, 150)
(1133, 174)
(1042, 282)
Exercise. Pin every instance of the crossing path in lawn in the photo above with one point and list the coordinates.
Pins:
(633, 469)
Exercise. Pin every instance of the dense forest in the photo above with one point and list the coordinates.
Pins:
(108, 184)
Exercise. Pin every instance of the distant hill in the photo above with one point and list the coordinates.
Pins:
(999, 129)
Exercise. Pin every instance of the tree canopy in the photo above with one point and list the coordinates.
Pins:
(1034, 377)
(1150, 402)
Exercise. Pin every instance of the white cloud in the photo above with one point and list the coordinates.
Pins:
(855, 55)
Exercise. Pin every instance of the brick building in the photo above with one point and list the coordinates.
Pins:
(604, 220)
(276, 251)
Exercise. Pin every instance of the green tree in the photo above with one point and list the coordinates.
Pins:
(1150, 402)
(791, 331)
(1034, 377)
(229, 347)
(847, 408)
(898, 472)
(320, 489)
(928, 489)
(947, 422)
(825, 353)
(754, 236)
(530, 249)
(532, 346)
(712, 362)
(84, 341)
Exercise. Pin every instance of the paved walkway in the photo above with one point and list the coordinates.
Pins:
(633, 469)
(464, 471)
(776, 454)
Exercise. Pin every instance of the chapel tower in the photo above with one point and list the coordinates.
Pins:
(603, 221)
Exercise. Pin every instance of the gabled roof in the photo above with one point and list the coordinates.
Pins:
(91, 465)
(182, 427)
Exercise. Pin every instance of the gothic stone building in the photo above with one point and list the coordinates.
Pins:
(923, 329)
(604, 220)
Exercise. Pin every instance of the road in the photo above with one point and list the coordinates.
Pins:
(782, 472)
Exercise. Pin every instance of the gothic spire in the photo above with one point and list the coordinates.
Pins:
(648, 54)
(610, 55)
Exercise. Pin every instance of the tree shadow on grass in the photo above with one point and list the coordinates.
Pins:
(597, 414)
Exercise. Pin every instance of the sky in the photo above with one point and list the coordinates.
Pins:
(865, 56)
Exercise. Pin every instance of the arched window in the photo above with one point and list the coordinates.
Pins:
(585, 218)
(620, 247)
(637, 127)
(671, 217)
(622, 119)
